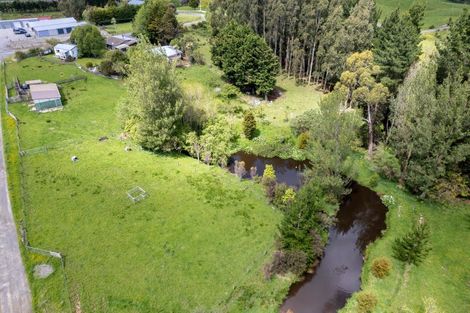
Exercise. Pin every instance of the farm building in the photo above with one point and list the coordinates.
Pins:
(64, 51)
(45, 97)
(120, 42)
(54, 27)
(171, 53)
(21, 22)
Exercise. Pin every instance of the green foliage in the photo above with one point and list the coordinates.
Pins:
(154, 107)
(385, 163)
(302, 140)
(289, 261)
(245, 58)
(89, 41)
(454, 55)
(302, 220)
(374, 180)
(414, 246)
(20, 55)
(156, 19)
(193, 3)
(217, 140)
(114, 63)
(249, 125)
(366, 302)
(104, 16)
(430, 129)
(381, 267)
(396, 47)
(72, 8)
(89, 64)
(269, 174)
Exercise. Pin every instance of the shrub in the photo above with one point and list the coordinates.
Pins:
(302, 140)
(106, 68)
(374, 180)
(34, 51)
(413, 247)
(249, 125)
(269, 181)
(229, 92)
(366, 302)
(293, 261)
(20, 55)
(89, 64)
(385, 163)
(193, 3)
(381, 267)
(389, 201)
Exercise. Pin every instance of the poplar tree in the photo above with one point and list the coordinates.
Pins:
(153, 109)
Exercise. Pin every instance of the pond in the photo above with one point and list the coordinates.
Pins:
(359, 221)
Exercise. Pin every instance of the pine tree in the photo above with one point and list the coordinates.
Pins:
(414, 246)
(454, 56)
(249, 125)
(245, 58)
(396, 47)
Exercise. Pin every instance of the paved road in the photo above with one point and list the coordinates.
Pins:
(200, 14)
(15, 296)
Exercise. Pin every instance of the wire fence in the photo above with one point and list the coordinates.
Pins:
(25, 201)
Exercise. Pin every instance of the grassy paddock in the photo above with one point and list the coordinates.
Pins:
(199, 241)
(437, 12)
(443, 276)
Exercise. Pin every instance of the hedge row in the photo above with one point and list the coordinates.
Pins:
(103, 16)
(29, 6)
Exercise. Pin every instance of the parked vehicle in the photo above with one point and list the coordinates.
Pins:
(19, 31)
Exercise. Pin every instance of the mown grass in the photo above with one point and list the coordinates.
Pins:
(444, 275)
(437, 12)
(199, 241)
(120, 28)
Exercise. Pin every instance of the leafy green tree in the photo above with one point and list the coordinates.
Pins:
(154, 106)
(245, 58)
(359, 84)
(73, 8)
(430, 130)
(193, 3)
(156, 19)
(396, 47)
(454, 55)
(249, 125)
(89, 41)
(302, 219)
(414, 246)
(216, 141)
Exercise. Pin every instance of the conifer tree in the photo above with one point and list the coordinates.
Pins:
(249, 125)
(414, 246)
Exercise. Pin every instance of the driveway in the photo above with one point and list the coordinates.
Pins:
(15, 296)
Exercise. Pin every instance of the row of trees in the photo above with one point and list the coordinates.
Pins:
(312, 39)
(28, 6)
(104, 15)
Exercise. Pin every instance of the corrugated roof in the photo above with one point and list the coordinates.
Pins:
(68, 22)
(44, 91)
(168, 51)
(64, 46)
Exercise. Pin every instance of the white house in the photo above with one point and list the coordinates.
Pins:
(171, 53)
(65, 50)
(54, 27)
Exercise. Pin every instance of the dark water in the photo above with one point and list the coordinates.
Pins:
(287, 171)
(360, 221)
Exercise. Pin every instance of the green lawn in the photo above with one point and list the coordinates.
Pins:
(437, 12)
(120, 28)
(186, 18)
(443, 276)
(198, 242)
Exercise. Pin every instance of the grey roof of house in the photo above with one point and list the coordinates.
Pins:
(44, 91)
(67, 22)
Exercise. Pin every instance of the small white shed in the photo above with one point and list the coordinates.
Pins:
(64, 51)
